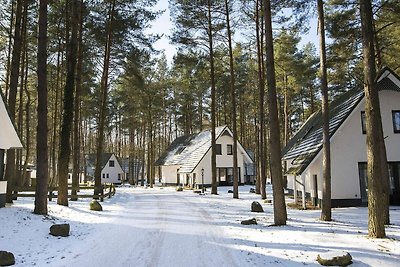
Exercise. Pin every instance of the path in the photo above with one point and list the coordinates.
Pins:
(154, 228)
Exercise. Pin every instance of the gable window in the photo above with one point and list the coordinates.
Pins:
(218, 149)
(111, 163)
(229, 149)
(396, 121)
(104, 175)
(108, 175)
(363, 122)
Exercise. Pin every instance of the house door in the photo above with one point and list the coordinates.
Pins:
(178, 180)
(362, 172)
(394, 176)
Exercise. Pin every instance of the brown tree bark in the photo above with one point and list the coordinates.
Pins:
(66, 128)
(214, 189)
(326, 213)
(103, 105)
(280, 214)
(41, 145)
(376, 202)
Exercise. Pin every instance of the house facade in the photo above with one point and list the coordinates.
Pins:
(188, 160)
(8, 140)
(111, 171)
(303, 155)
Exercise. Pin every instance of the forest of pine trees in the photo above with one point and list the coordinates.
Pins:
(82, 77)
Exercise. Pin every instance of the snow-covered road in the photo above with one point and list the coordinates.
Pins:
(161, 227)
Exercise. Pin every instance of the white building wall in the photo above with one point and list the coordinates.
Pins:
(115, 174)
(169, 174)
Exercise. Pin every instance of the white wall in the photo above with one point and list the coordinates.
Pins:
(112, 172)
(169, 174)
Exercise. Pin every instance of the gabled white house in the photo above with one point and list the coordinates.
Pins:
(303, 154)
(187, 160)
(111, 170)
(8, 139)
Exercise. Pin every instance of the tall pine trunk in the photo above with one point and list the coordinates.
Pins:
(12, 96)
(42, 176)
(326, 213)
(280, 214)
(103, 105)
(214, 189)
(66, 128)
(376, 202)
(233, 99)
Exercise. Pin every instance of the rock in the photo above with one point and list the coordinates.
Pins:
(95, 205)
(230, 191)
(60, 229)
(252, 190)
(256, 207)
(6, 258)
(268, 201)
(334, 258)
(179, 189)
(249, 221)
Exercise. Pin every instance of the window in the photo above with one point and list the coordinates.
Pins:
(108, 175)
(229, 149)
(396, 121)
(218, 149)
(104, 175)
(363, 123)
(111, 163)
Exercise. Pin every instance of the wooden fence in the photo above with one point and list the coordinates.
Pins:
(108, 191)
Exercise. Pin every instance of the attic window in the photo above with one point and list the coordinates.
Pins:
(396, 121)
(363, 122)
(180, 150)
(111, 163)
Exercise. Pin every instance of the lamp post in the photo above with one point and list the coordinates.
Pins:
(202, 180)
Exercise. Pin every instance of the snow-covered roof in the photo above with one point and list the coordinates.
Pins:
(8, 136)
(187, 151)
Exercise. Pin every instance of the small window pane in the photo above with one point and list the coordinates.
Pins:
(396, 121)
(111, 163)
(229, 149)
(218, 149)
(363, 123)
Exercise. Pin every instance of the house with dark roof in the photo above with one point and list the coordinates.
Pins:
(111, 170)
(302, 156)
(187, 160)
(8, 139)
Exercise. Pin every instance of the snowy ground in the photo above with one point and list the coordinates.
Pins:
(161, 227)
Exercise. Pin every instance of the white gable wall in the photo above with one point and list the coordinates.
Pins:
(115, 174)
(169, 174)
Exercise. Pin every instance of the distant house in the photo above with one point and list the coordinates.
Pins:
(189, 157)
(303, 154)
(111, 170)
(8, 139)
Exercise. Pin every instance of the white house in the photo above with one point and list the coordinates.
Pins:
(187, 160)
(111, 170)
(303, 154)
(8, 139)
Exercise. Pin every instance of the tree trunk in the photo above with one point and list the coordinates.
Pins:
(376, 202)
(66, 128)
(12, 97)
(103, 105)
(41, 145)
(214, 189)
(77, 108)
(280, 214)
(326, 213)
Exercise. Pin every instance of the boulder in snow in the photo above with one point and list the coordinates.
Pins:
(334, 258)
(252, 190)
(256, 207)
(230, 191)
(249, 221)
(6, 258)
(179, 189)
(95, 205)
(60, 229)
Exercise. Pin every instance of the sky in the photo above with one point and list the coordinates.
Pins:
(163, 25)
